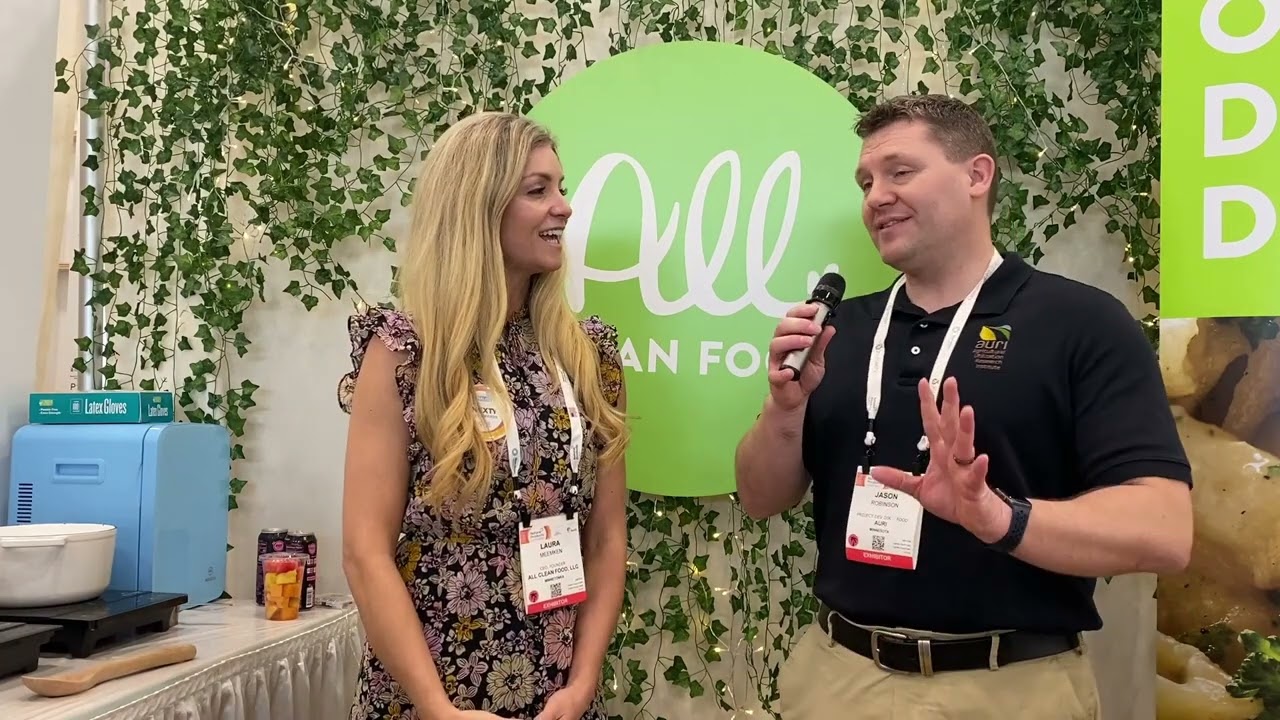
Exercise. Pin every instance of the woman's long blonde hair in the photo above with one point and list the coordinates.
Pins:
(453, 286)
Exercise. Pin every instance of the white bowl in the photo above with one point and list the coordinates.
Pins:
(54, 563)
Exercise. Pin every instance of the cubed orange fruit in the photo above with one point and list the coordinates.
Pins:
(283, 578)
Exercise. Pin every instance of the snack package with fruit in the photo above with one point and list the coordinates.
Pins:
(283, 575)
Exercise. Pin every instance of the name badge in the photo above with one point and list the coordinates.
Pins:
(551, 564)
(884, 526)
(490, 420)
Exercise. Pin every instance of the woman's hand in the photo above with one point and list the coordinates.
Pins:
(568, 703)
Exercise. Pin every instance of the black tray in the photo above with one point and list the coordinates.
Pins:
(20, 646)
(113, 616)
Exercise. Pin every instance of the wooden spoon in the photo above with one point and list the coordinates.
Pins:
(70, 682)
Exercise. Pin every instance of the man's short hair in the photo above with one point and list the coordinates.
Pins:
(957, 127)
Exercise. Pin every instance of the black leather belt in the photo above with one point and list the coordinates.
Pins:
(896, 652)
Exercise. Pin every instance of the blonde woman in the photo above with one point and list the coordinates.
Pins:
(484, 528)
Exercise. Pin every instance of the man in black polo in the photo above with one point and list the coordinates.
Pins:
(983, 440)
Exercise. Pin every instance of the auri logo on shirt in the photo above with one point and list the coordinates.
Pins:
(712, 185)
(992, 344)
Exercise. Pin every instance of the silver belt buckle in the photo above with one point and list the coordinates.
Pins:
(924, 651)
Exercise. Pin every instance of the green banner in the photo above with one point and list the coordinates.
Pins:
(712, 185)
(1220, 155)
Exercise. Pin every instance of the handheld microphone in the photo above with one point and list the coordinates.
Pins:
(827, 294)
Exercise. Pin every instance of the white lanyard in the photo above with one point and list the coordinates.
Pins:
(876, 369)
(575, 428)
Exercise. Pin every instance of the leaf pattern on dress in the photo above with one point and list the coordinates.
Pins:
(466, 586)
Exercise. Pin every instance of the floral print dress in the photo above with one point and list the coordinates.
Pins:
(489, 654)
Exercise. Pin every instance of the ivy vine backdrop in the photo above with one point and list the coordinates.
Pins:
(248, 139)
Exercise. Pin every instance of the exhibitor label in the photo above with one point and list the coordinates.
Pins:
(551, 564)
(883, 527)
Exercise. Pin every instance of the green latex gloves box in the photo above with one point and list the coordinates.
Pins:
(117, 406)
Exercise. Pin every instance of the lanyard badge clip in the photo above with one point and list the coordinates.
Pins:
(869, 440)
(922, 456)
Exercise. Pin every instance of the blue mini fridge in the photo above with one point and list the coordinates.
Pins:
(164, 487)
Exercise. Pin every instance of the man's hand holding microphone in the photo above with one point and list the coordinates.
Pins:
(797, 353)
(769, 468)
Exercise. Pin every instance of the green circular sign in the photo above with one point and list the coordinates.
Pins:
(712, 185)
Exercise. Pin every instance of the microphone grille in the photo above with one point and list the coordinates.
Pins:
(834, 281)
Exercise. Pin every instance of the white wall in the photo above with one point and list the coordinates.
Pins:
(296, 437)
(28, 37)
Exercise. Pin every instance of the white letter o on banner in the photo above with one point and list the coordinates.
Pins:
(1211, 27)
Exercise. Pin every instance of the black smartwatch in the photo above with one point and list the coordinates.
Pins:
(1017, 523)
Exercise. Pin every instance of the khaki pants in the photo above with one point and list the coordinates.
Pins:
(822, 680)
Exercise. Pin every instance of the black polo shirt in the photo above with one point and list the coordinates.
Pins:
(1067, 397)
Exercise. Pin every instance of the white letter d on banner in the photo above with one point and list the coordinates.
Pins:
(1215, 113)
(1264, 226)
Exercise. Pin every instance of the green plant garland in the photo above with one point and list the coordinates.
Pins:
(242, 134)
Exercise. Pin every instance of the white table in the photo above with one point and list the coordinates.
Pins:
(246, 668)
